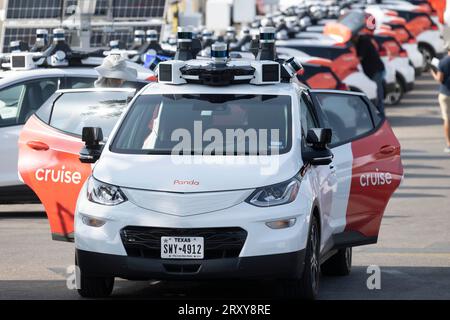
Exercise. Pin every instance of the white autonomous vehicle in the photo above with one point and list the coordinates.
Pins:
(230, 169)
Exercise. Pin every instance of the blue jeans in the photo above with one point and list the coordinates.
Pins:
(378, 78)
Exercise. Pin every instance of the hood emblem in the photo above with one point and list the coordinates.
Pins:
(186, 182)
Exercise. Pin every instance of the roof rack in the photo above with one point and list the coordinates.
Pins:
(56, 54)
(220, 70)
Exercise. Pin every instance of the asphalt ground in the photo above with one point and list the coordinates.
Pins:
(412, 253)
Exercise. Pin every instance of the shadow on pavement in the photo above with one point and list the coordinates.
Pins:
(396, 283)
(416, 195)
(426, 176)
(425, 157)
(421, 166)
(424, 188)
(399, 121)
(23, 215)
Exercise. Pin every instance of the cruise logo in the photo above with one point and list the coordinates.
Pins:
(375, 179)
(58, 176)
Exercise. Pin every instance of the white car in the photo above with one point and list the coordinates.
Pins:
(345, 63)
(182, 189)
(421, 25)
(390, 82)
(21, 94)
(396, 61)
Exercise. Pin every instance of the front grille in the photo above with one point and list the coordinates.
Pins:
(145, 242)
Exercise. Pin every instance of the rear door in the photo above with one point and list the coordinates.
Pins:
(367, 162)
(49, 145)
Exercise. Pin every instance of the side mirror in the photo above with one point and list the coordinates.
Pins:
(318, 138)
(92, 138)
(317, 152)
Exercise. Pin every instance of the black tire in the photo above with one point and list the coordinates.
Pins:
(340, 264)
(95, 287)
(394, 98)
(307, 287)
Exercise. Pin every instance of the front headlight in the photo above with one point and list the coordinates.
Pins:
(275, 195)
(103, 193)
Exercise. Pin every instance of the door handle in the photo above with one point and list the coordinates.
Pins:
(387, 149)
(38, 145)
(332, 168)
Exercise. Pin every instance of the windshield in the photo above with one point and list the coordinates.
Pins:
(206, 124)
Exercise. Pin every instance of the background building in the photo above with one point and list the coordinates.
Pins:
(99, 20)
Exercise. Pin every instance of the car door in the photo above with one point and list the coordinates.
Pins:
(17, 103)
(367, 162)
(324, 175)
(50, 143)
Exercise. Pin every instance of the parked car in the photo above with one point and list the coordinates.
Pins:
(345, 63)
(150, 210)
(50, 142)
(21, 95)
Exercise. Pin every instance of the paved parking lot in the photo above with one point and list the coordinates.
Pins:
(413, 251)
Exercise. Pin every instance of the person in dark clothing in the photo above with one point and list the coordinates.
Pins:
(442, 75)
(372, 65)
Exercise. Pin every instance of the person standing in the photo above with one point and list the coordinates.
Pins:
(442, 75)
(372, 65)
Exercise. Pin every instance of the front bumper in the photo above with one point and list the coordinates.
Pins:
(260, 240)
(278, 266)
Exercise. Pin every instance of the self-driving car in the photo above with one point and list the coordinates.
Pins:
(22, 92)
(224, 169)
(419, 24)
(317, 73)
(345, 62)
(49, 146)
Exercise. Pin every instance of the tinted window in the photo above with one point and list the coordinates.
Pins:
(307, 118)
(73, 111)
(79, 82)
(10, 101)
(45, 110)
(376, 115)
(37, 92)
(155, 124)
(19, 102)
(348, 115)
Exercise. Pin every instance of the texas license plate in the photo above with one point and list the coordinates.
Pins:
(182, 247)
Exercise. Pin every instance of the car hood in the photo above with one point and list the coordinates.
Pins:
(190, 174)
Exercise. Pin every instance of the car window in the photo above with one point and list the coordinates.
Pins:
(347, 115)
(36, 93)
(157, 124)
(75, 110)
(307, 118)
(79, 82)
(376, 115)
(19, 102)
(10, 100)
(45, 110)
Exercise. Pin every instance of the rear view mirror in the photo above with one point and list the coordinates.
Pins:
(92, 138)
(317, 152)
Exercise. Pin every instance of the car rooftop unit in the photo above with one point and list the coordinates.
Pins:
(220, 70)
